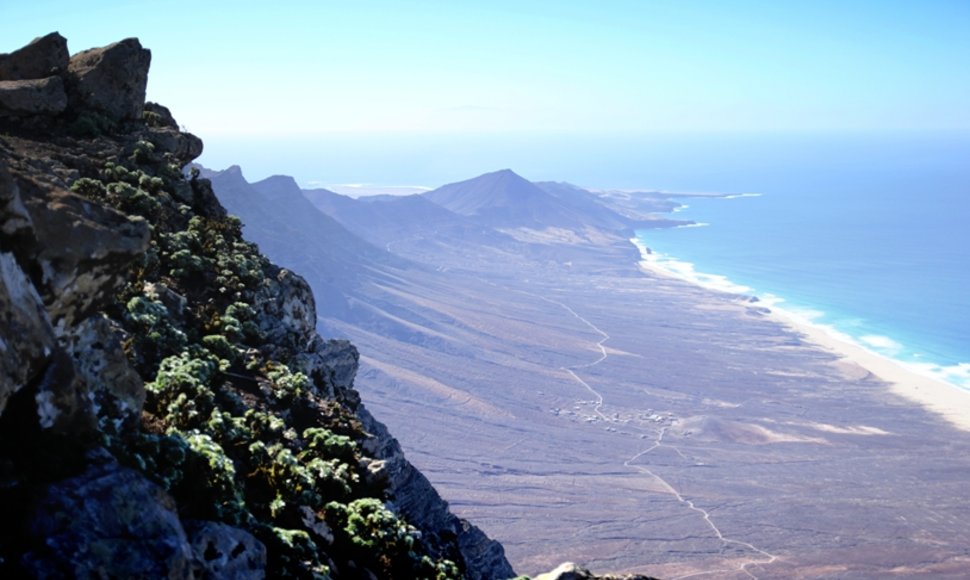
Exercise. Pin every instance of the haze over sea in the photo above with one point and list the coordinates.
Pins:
(864, 233)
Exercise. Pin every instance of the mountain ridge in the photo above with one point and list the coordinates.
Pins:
(163, 381)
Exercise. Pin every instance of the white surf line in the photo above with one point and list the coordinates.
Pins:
(704, 513)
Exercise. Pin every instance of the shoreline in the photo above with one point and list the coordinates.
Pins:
(949, 401)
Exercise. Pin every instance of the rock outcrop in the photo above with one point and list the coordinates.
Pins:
(167, 408)
(570, 571)
(44, 96)
(98, 86)
(44, 57)
(108, 518)
(111, 79)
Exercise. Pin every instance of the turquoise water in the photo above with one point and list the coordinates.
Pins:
(866, 233)
(870, 239)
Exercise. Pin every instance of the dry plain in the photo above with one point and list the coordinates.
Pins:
(576, 407)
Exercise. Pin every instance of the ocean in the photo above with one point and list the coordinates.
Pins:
(867, 234)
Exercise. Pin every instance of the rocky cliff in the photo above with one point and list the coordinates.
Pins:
(167, 408)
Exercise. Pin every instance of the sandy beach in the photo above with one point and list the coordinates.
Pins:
(634, 422)
(948, 401)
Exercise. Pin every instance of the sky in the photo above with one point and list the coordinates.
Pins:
(353, 68)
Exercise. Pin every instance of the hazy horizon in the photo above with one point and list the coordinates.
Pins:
(715, 162)
(353, 69)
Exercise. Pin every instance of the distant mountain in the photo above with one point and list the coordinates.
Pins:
(588, 204)
(297, 235)
(503, 199)
(384, 219)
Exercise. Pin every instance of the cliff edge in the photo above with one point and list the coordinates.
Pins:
(167, 408)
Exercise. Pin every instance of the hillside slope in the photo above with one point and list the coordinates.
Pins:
(167, 408)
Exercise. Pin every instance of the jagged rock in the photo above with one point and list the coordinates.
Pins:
(43, 57)
(316, 525)
(330, 363)
(570, 571)
(95, 347)
(111, 80)
(163, 130)
(184, 146)
(33, 97)
(289, 315)
(204, 200)
(14, 219)
(414, 496)
(62, 397)
(108, 522)
(483, 556)
(159, 116)
(223, 552)
(64, 263)
(566, 571)
(81, 250)
(26, 338)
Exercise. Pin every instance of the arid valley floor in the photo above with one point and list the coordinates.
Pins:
(576, 407)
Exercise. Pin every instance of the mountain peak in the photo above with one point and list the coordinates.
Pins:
(502, 199)
(233, 170)
(279, 187)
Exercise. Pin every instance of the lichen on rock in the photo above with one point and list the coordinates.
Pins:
(167, 408)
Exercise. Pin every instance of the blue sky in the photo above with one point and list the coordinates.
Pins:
(369, 66)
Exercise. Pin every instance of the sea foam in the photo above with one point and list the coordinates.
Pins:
(957, 375)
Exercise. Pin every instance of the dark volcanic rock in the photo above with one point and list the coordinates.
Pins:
(43, 57)
(112, 79)
(184, 146)
(81, 250)
(27, 339)
(109, 522)
(415, 497)
(95, 345)
(223, 552)
(33, 97)
(143, 381)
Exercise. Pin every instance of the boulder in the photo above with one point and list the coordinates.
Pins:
(332, 364)
(110, 80)
(26, 339)
(570, 571)
(43, 57)
(81, 251)
(288, 315)
(159, 116)
(108, 522)
(184, 146)
(32, 97)
(220, 551)
(95, 346)
(14, 219)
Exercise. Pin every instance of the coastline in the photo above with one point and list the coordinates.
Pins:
(948, 401)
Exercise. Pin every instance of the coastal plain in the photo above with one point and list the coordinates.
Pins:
(577, 406)
(574, 405)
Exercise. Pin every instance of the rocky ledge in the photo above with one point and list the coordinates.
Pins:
(167, 408)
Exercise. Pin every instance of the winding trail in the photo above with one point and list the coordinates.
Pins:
(603, 356)
(768, 557)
